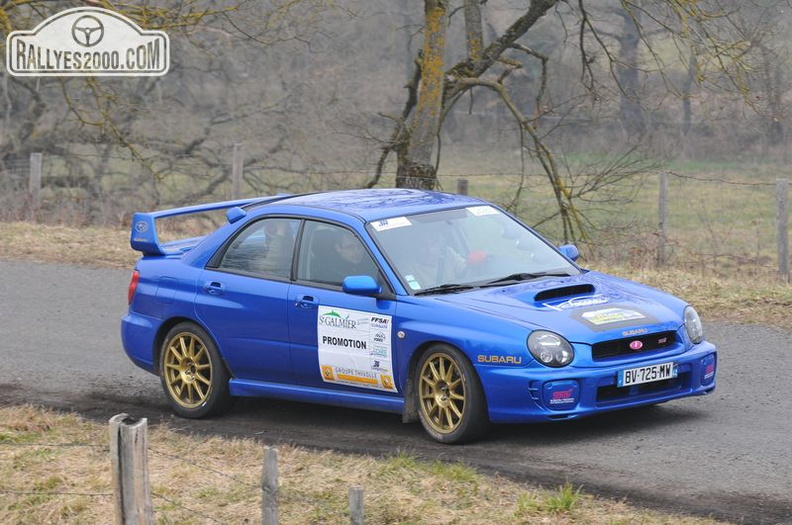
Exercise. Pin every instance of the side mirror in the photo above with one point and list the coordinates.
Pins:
(570, 251)
(361, 285)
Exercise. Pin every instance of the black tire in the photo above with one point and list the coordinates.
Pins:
(193, 375)
(451, 403)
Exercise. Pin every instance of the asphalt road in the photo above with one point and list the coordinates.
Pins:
(728, 455)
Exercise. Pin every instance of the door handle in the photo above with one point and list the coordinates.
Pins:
(214, 288)
(306, 302)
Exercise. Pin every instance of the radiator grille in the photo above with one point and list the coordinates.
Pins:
(632, 345)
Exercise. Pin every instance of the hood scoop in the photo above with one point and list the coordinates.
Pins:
(564, 291)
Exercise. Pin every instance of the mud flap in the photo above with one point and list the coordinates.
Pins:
(410, 413)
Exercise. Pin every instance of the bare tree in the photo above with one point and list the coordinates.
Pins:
(146, 136)
(493, 67)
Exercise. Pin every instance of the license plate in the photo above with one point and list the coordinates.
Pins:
(646, 374)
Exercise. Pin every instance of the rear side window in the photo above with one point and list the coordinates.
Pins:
(263, 248)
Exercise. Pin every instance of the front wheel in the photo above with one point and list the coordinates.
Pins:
(192, 373)
(451, 402)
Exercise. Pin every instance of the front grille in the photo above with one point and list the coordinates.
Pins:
(619, 347)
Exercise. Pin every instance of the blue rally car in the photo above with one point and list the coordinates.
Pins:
(440, 307)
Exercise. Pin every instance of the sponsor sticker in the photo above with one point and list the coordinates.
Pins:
(480, 211)
(499, 359)
(563, 397)
(607, 316)
(355, 348)
(412, 282)
(87, 41)
(390, 224)
(578, 302)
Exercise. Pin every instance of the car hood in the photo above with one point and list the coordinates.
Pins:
(586, 308)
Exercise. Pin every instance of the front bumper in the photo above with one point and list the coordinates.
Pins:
(529, 395)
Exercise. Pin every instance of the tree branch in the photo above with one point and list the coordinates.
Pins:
(571, 217)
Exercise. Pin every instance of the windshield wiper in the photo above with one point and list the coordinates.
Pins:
(523, 276)
(445, 288)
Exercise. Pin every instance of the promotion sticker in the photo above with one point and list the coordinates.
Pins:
(355, 348)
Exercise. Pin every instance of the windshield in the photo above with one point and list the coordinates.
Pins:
(456, 249)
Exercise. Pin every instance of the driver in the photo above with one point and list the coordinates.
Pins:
(434, 262)
(352, 258)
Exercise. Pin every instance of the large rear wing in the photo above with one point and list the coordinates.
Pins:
(144, 236)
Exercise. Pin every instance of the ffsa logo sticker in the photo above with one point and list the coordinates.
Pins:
(87, 41)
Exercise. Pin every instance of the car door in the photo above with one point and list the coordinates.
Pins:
(242, 300)
(339, 340)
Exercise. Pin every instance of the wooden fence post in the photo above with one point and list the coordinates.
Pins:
(128, 450)
(662, 227)
(269, 487)
(782, 221)
(34, 183)
(237, 168)
(356, 506)
(462, 186)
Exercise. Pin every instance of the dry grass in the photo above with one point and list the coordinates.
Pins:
(746, 299)
(55, 468)
(45, 243)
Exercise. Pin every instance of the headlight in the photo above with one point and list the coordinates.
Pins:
(695, 330)
(550, 349)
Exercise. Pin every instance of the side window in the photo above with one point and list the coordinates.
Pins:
(329, 253)
(264, 247)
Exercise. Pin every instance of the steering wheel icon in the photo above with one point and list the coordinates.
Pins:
(87, 31)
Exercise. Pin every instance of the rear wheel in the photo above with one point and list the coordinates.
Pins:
(451, 402)
(192, 373)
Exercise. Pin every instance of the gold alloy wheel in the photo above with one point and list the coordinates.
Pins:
(442, 392)
(187, 370)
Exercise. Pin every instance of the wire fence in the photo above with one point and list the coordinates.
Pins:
(14, 184)
(693, 220)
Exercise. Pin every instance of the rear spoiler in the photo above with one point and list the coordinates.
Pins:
(144, 227)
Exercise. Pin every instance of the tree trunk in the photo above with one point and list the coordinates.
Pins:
(687, 93)
(771, 80)
(417, 170)
(631, 113)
